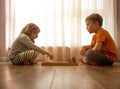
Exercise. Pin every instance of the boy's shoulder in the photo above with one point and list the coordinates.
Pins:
(102, 30)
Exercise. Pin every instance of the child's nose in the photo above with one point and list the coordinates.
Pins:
(87, 27)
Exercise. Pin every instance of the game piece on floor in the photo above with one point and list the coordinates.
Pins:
(70, 61)
(73, 60)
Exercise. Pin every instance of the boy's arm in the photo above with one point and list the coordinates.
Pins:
(97, 46)
(83, 49)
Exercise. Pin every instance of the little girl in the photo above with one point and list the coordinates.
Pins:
(23, 50)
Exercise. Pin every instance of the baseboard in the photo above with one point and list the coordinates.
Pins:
(4, 59)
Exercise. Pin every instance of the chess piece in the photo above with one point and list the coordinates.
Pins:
(73, 60)
(70, 61)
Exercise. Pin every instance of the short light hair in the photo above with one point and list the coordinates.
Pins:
(95, 18)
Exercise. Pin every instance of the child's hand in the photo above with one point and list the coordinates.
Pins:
(50, 56)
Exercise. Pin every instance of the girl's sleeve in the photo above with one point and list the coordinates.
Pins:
(26, 41)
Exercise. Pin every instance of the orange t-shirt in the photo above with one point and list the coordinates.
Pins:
(108, 46)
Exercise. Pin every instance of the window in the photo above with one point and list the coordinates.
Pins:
(62, 22)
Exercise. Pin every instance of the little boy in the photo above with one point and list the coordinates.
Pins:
(102, 50)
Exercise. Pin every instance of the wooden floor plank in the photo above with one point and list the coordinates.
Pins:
(72, 78)
(59, 77)
(105, 76)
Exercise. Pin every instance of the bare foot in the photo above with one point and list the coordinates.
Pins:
(83, 59)
(93, 63)
(37, 61)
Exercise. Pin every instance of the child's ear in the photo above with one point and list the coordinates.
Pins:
(97, 23)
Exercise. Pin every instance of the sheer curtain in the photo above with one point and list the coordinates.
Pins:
(62, 24)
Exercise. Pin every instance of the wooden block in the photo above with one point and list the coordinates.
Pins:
(58, 64)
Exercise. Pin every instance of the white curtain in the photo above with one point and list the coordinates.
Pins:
(9, 22)
(62, 24)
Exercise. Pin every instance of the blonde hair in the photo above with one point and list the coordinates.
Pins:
(30, 29)
(95, 18)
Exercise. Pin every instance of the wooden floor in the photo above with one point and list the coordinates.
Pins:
(59, 77)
